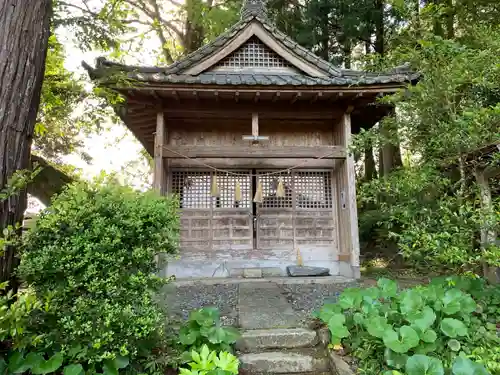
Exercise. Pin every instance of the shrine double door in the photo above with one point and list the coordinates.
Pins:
(304, 216)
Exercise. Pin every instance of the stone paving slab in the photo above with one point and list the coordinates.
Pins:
(283, 338)
(265, 307)
(279, 362)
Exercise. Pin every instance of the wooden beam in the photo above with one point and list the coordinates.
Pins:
(159, 171)
(258, 152)
(236, 96)
(276, 96)
(316, 97)
(237, 163)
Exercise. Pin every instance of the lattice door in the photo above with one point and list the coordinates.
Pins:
(304, 216)
(218, 223)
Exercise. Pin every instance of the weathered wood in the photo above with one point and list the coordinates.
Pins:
(488, 233)
(283, 152)
(24, 33)
(251, 163)
(255, 124)
(159, 170)
(346, 179)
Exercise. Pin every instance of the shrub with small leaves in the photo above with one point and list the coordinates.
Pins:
(92, 253)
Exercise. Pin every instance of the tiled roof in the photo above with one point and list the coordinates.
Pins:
(173, 73)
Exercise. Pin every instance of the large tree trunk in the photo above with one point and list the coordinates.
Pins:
(24, 33)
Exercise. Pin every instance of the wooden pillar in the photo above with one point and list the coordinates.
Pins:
(159, 165)
(347, 207)
(488, 233)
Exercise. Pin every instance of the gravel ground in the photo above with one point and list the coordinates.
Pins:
(307, 298)
(304, 298)
(181, 300)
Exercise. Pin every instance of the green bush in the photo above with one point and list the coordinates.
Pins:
(92, 254)
(436, 325)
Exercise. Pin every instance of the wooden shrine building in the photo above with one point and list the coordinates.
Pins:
(251, 132)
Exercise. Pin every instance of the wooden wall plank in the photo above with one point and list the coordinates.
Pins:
(260, 152)
(159, 170)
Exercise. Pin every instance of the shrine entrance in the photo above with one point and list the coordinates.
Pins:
(303, 216)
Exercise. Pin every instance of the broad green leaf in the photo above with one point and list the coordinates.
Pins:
(424, 365)
(232, 335)
(350, 298)
(464, 366)
(121, 362)
(3, 365)
(215, 335)
(34, 359)
(206, 316)
(392, 372)
(109, 368)
(388, 288)
(394, 359)
(74, 369)
(467, 305)
(358, 318)
(336, 319)
(411, 301)
(50, 365)
(327, 310)
(429, 336)
(451, 301)
(403, 342)
(376, 326)
(423, 319)
(17, 363)
(454, 345)
(339, 330)
(453, 327)
(188, 336)
(425, 348)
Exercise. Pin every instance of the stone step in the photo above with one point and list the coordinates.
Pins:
(279, 338)
(286, 362)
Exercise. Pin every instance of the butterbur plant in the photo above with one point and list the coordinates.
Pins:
(204, 328)
(392, 330)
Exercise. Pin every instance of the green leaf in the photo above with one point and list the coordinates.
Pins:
(50, 365)
(206, 316)
(74, 369)
(464, 366)
(3, 365)
(429, 336)
(453, 328)
(188, 336)
(403, 342)
(411, 301)
(451, 301)
(34, 359)
(109, 367)
(388, 287)
(394, 359)
(424, 365)
(351, 298)
(377, 325)
(227, 362)
(121, 362)
(454, 345)
(17, 363)
(423, 319)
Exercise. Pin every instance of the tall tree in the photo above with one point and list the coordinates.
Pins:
(23, 48)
